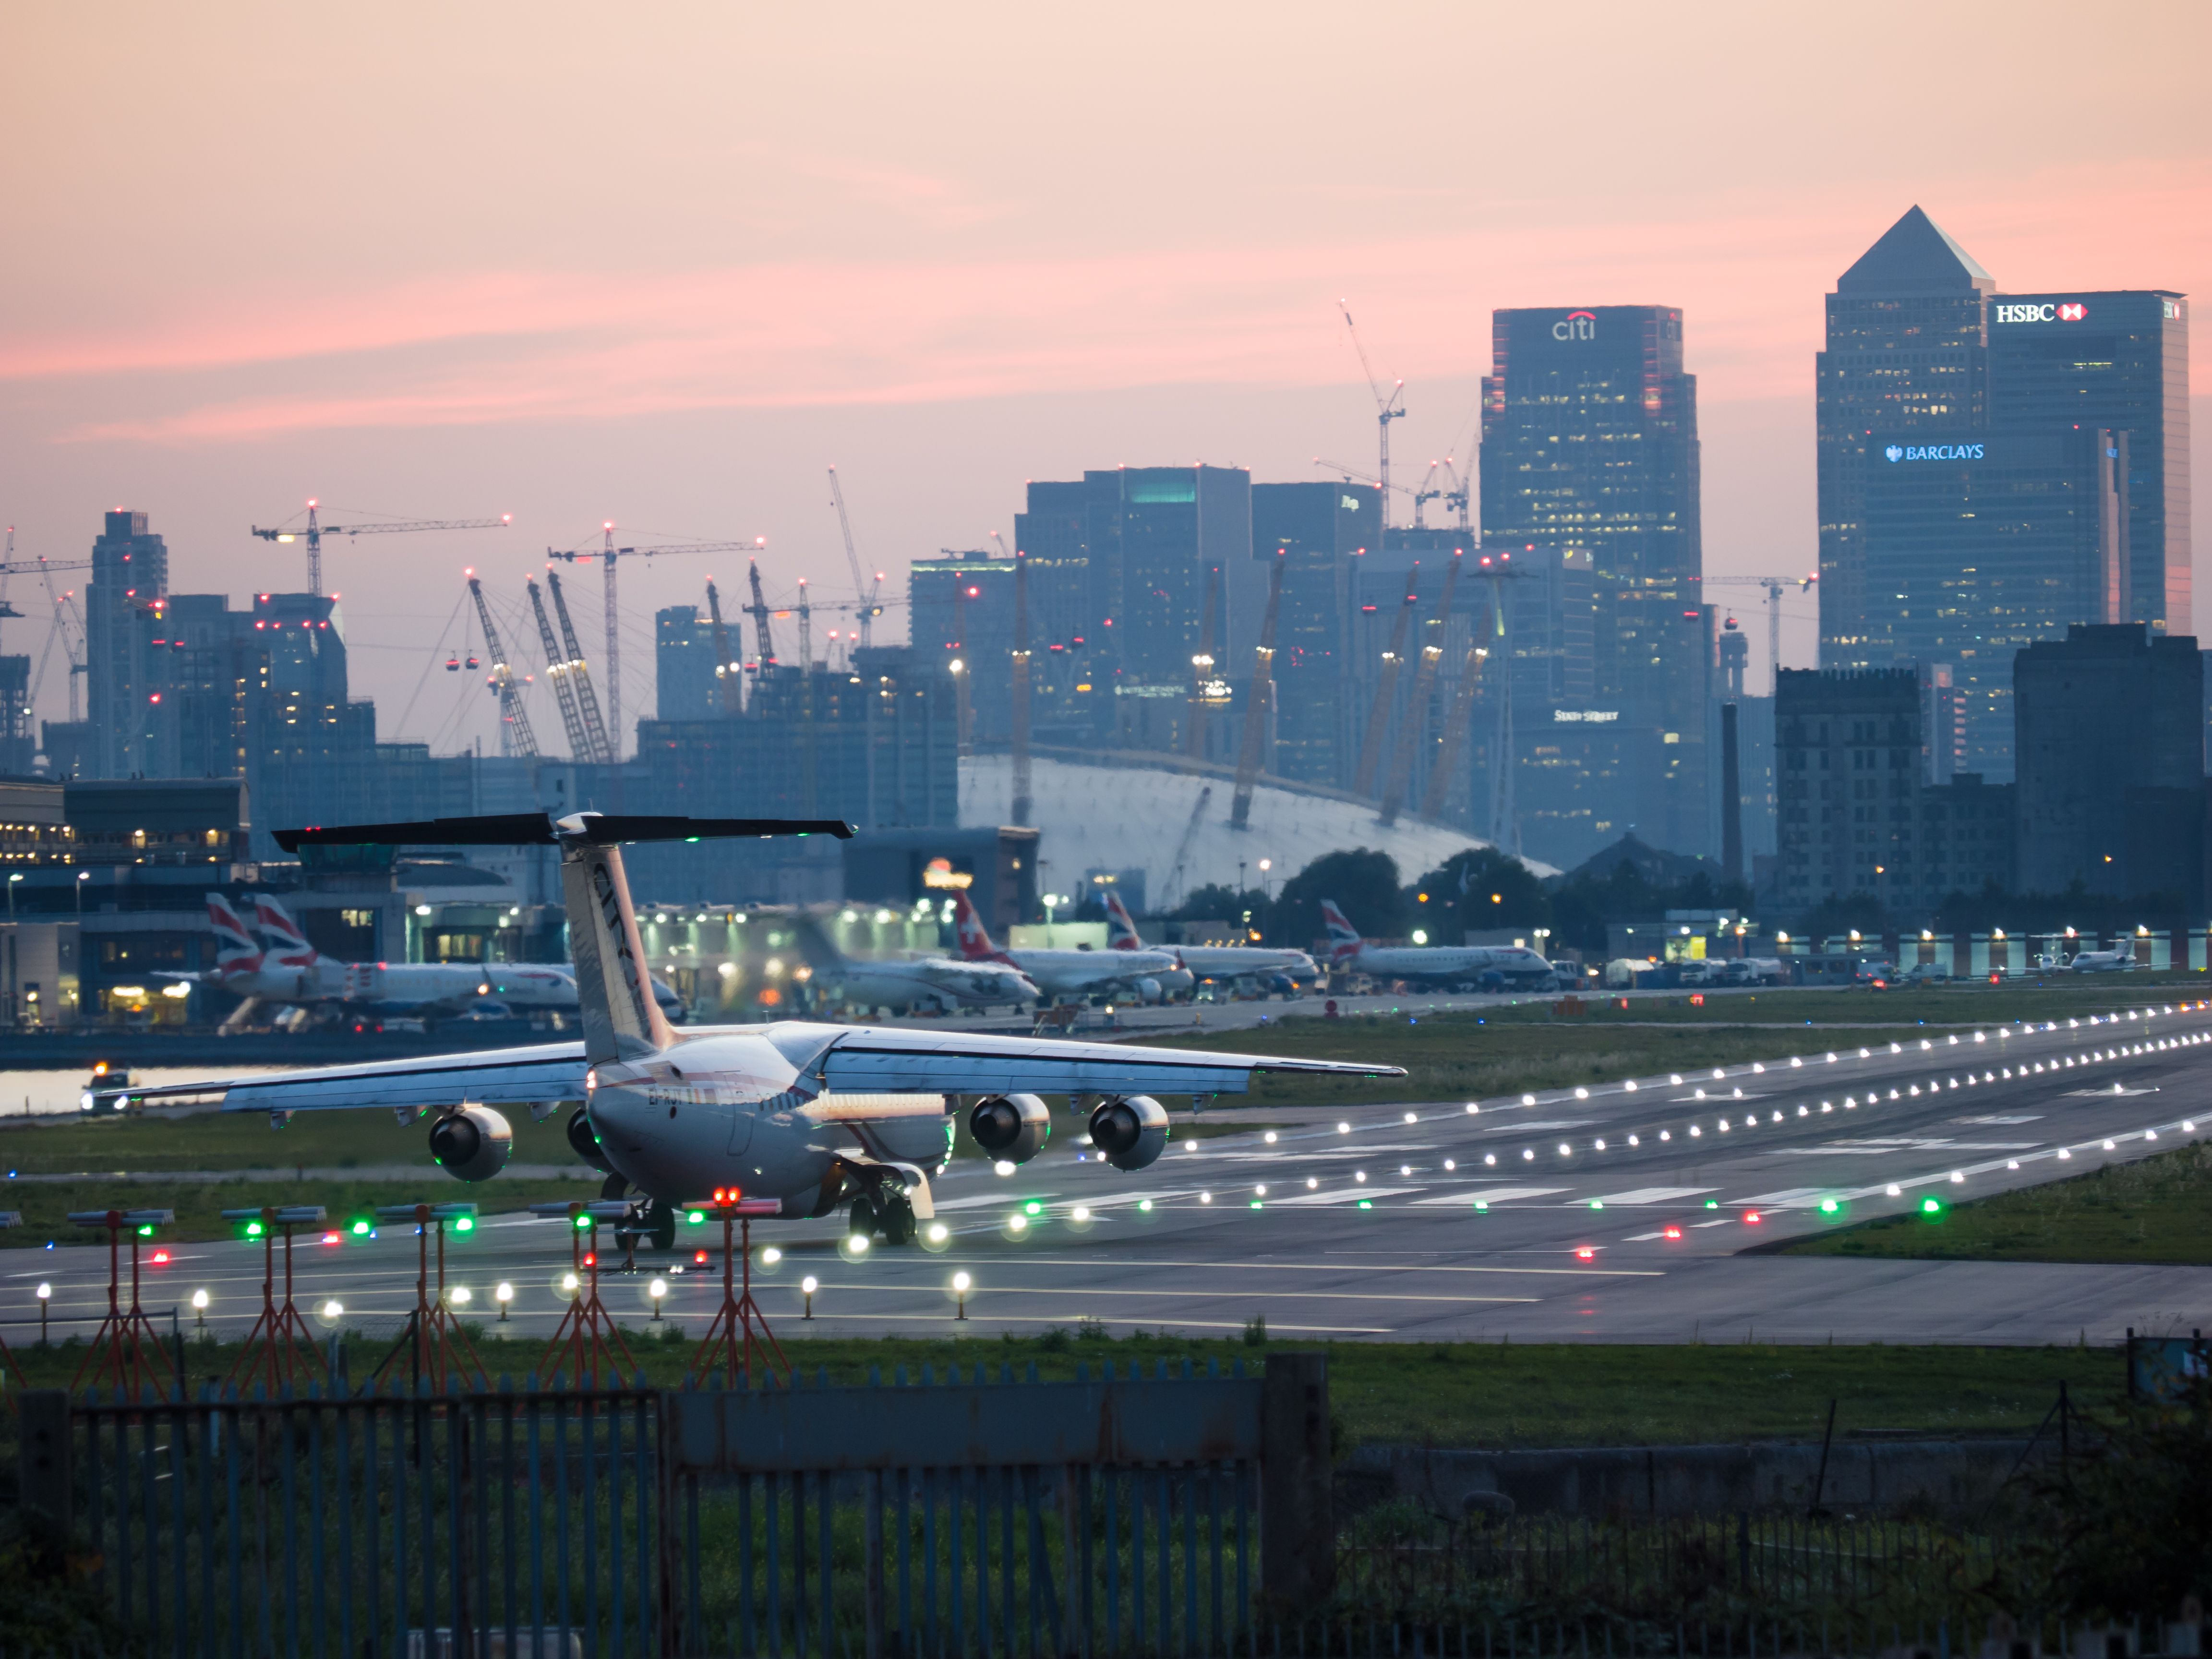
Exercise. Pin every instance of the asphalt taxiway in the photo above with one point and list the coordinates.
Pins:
(1621, 1212)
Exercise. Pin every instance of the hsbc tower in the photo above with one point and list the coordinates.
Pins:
(2120, 360)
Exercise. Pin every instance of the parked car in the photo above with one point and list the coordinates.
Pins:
(1928, 973)
(1875, 976)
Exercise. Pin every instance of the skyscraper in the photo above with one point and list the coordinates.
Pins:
(1906, 349)
(1324, 532)
(129, 574)
(2118, 361)
(1590, 442)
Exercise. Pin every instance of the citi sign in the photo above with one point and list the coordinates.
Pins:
(1576, 325)
(2065, 311)
(1933, 452)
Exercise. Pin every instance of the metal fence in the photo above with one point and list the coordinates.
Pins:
(955, 1515)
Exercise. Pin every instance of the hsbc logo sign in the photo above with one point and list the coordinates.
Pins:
(2062, 311)
(1576, 325)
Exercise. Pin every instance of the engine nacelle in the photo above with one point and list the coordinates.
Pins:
(1148, 990)
(471, 1144)
(1131, 1132)
(584, 1141)
(1014, 1127)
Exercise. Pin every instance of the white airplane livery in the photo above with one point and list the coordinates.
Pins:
(796, 1117)
(283, 967)
(1213, 961)
(1144, 973)
(936, 980)
(1464, 965)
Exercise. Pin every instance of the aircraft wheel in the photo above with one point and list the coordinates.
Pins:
(862, 1222)
(898, 1221)
(660, 1225)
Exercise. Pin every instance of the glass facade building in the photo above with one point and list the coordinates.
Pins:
(1906, 349)
(1976, 542)
(2120, 361)
(1589, 445)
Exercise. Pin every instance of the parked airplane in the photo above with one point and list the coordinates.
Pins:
(1213, 961)
(1148, 974)
(901, 986)
(796, 1117)
(1465, 967)
(2119, 960)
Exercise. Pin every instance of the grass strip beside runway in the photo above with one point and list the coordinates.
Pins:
(2157, 1210)
(1445, 1394)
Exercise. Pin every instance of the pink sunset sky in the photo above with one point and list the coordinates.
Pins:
(665, 264)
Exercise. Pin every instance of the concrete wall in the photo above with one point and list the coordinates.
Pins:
(1953, 1476)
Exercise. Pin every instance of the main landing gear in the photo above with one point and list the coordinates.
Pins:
(886, 1210)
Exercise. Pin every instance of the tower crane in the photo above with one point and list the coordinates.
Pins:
(68, 629)
(612, 557)
(727, 669)
(556, 669)
(596, 735)
(759, 613)
(315, 530)
(1775, 588)
(1388, 407)
(863, 591)
(515, 736)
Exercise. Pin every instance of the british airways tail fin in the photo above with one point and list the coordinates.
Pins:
(1343, 937)
(620, 1015)
(1121, 931)
(236, 949)
(288, 945)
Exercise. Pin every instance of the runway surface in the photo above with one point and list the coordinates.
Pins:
(1618, 1213)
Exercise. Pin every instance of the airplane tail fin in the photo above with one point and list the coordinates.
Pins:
(288, 945)
(974, 940)
(1343, 937)
(1121, 931)
(236, 949)
(816, 948)
(622, 1018)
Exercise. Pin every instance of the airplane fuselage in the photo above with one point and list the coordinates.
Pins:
(1446, 964)
(1228, 960)
(930, 979)
(1085, 973)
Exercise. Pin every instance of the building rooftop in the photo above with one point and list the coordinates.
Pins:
(1915, 256)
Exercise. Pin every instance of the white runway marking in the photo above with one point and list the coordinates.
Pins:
(1493, 1195)
(1347, 1195)
(1654, 1195)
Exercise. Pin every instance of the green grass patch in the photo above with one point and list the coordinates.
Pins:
(1455, 1056)
(2155, 1210)
(1457, 1395)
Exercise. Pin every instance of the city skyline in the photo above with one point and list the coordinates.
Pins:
(210, 328)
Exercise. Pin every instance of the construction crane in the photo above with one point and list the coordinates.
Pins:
(1183, 847)
(1456, 728)
(68, 629)
(1775, 588)
(727, 669)
(313, 531)
(515, 736)
(1378, 717)
(1255, 700)
(759, 613)
(612, 557)
(1388, 407)
(863, 591)
(1020, 733)
(1425, 676)
(596, 735)
(556, 669)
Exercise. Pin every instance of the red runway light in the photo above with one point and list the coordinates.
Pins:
(1752, 1216)
(1586, 1254)
(330, 1238)
(1674, 1232)
(591, 1258)
(161, 1258)
(698, 1258)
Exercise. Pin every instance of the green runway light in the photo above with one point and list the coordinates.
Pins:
(1930, 1207)
(582, 1222)
(254, 1230)
(1033, 1208)
(464, 1223)
(697, 1218)
(1366, 1203)
(1597, 1204)
(146, 1232)
(1829, 1206)
(1256, 1203)
(1482, 1204)
(361, 1230)
(1712, 1203)
(1145, 1203)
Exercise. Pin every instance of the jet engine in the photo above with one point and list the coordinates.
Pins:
(584, 1141)
(1131, 1132)
(1014, 1127)
(1148, 990)
(471, 1144)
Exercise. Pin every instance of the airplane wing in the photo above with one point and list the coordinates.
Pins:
(495, 1077)
(874, 1060)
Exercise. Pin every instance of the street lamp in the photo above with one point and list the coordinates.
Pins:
(1266, 865)
(12, 880)
(199, 1308)
(1052, 902)
(82, 877)
(504, 1295)
(960, 1284)
(657, 1290)
(45, 1298)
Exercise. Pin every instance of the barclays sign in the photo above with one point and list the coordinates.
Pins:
(1897, 453)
